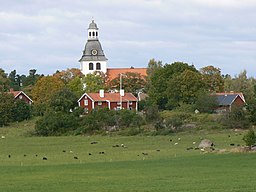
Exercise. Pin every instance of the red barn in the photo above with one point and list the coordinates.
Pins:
(22, 96)
(112, 101)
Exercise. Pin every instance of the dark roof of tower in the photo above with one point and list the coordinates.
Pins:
(87, 53)
(93, 25)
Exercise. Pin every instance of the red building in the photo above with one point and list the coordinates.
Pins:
(21, 95)
(112, 101)
(227, 100)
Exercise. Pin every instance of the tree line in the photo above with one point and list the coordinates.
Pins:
(168, 86)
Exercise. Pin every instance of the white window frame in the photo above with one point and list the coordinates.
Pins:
(99, 102)
(86, 102)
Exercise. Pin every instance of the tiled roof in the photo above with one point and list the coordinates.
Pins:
(113, 97)
(115, 72)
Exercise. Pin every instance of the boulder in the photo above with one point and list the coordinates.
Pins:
(205, 143)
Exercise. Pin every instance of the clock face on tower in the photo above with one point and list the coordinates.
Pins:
(94, 52)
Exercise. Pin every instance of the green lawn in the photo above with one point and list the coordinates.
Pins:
(167, 167)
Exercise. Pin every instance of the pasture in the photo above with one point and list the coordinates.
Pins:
(119, 163)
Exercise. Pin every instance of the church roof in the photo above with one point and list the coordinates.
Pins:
(112, 73)
(87, 53)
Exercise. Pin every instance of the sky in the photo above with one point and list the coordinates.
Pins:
(50, 35)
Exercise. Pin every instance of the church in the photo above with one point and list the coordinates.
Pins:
(94, 59)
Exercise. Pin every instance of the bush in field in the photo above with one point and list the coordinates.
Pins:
(206, 103)
(237, 118)
(250, 138)
(102, 119)
(56, 123)
(177, 119)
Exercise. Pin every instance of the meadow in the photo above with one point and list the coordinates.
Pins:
(123, 163)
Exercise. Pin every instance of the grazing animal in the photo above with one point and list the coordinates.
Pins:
(189, 148)
(194, 143)
(36, 155)
(228, 135)
(102, 152)
(158, 150)
(176, 143)
(25, 155)
(232, 144)
(144, 153)
(75, 157)
(196, 148)
(3, 137)
(238, 145)
(115, 146)
(170, 140)
(94, 142)
(179, 139)
(64, 151)
(9, 156)
(44, 158)
(90, 154)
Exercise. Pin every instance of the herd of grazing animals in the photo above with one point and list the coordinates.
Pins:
(144, 153)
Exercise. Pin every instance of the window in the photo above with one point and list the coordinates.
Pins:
(20, 97)
(90, 34)
(96, 34)
(130, 103)
(85, 102)
(98, 67)
(90, 66)
(99, 103)
(93, 33)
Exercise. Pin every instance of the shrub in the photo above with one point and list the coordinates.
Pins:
(56, 123)
(250, 138)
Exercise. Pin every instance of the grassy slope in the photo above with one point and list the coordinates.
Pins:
(121, 169)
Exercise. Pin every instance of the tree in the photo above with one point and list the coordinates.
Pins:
(160, 78)
(45, 88)
(250, 138)
(64, 100)
(184, 88)
(4, 81)
(21, 111)
(206, 103)
(6, 108)
(213, 79)
(131, 82)
(68, 75)
(14, 80)
(76, 86)
(94, 82)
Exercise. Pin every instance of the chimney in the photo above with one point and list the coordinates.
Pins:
(121, 92)
(101, 93)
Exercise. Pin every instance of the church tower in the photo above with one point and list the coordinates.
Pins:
(93, 58)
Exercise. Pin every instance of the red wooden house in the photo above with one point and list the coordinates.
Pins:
(227, 100)
(21, 95)
(112, 101)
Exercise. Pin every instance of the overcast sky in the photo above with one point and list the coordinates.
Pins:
(50, 35)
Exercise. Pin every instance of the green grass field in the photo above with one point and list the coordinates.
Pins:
(166, 167)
